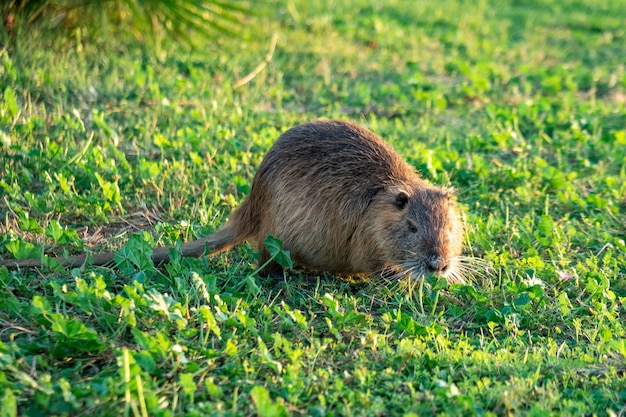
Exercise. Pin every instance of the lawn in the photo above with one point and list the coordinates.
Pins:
(109, 144)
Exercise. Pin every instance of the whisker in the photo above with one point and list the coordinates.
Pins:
(477, 269)
(478, 262)
(410, 252)
(470, 268)
(458, 277)
(386, 278)
(398, 276)
(394, 287)
(413, 283)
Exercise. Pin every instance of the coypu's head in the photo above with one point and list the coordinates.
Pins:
(420, 232)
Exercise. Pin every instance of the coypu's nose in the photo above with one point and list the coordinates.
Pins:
(437, 266)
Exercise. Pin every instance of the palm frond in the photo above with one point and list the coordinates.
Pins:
(180, 18)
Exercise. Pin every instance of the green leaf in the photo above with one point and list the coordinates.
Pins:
(267, 356)
(546, 225)
(291, 316)
(166, 305)
(136, 256)
(407, 324)
(280, 255)
(8, 404)
(439, 284)
(61, 234)
(146, 361)
(54, 231)
(29, 225)
(209, 319)
(110, 191)
(187, 384)
(74, 335)
(619, 346)
(23, 250)
(522, 300)
(265, 407)
(158, 344)
(10, 101)
(40, 305)
(564, 304)
(9, 303)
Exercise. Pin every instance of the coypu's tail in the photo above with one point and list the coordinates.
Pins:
(98, 259)
(223, 239)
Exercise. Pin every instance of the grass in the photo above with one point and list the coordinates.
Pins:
(521, 106)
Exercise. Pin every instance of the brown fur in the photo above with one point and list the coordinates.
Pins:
(342, 201)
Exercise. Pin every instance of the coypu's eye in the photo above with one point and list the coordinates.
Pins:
(402, 199)
(412, 227)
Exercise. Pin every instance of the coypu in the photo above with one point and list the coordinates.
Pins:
(342, 201)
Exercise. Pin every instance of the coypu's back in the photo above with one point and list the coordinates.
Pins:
(354, 157)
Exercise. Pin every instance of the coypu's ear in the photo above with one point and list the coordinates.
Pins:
(402, 199)
(449, 193)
